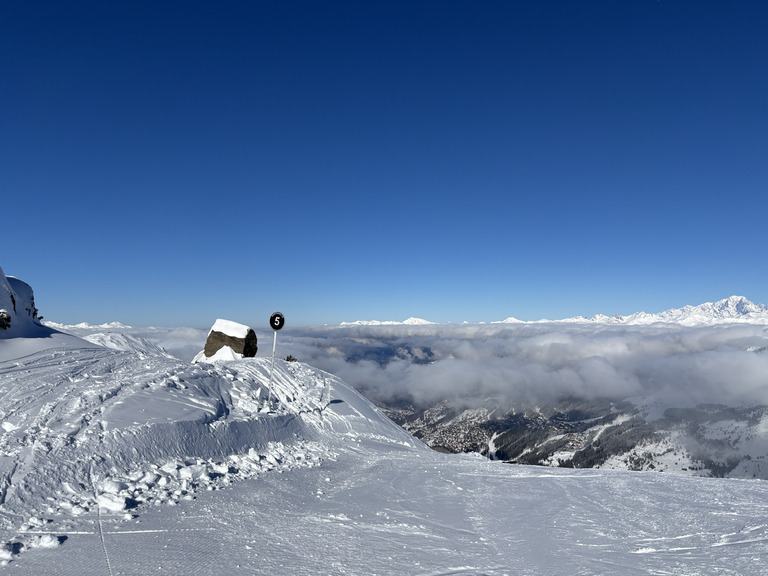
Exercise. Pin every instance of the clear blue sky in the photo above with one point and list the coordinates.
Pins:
(169, 163)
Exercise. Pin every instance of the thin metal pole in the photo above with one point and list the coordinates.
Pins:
(272, 368)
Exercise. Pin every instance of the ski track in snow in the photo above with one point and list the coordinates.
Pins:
(124, 461)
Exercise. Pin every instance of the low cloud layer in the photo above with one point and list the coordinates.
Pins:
(539, 363)
(526, 364)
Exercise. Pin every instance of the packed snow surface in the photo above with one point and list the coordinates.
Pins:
(118, 459)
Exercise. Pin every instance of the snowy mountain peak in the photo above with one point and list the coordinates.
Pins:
(416, 321)
(407, 322)
(728, 310)
(510, 320)
(732, 309)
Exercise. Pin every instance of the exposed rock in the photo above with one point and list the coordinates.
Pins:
(240, 338)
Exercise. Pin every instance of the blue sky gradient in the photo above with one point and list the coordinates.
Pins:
(173, 162)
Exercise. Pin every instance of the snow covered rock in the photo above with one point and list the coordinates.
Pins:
(18, 314)
(229, 340)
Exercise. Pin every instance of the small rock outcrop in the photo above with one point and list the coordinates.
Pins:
(238, 338)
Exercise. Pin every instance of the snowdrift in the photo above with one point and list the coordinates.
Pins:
(115, 423)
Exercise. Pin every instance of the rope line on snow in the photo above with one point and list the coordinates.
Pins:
(98, 521)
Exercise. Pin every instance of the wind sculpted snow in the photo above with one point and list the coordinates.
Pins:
(119, 459)
(121, 425)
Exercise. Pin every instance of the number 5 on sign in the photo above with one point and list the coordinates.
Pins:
(277, 320)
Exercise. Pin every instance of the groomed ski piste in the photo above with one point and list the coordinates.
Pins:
(118, 459)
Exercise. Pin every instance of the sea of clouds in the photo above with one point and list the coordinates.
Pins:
(524, 364)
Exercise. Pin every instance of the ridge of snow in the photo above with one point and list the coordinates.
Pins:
(125, 343)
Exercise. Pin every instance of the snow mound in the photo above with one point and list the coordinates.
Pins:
(120, 426)
(223, 354)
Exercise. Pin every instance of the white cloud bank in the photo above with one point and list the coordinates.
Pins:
(523, 364)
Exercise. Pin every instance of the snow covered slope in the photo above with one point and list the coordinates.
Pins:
(734, 309)
(123, 424)
(117, 459)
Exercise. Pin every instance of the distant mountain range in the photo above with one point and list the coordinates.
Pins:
(732, 309)
(86, 326)
(735, 309)
(408, 322)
